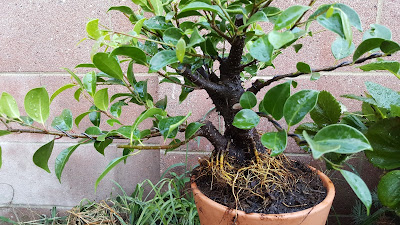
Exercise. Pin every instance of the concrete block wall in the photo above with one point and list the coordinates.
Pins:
(38, 37)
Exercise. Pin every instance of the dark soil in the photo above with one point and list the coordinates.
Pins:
(307, 191)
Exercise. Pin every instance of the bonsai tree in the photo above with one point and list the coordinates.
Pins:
(216, 46)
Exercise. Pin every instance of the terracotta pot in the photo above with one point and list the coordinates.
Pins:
(213, 213)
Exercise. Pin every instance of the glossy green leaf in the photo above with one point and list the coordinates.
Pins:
(315, 76)
(37, 104)
(172, 35)
(85, 65)
(146, 114)
(157, 7)
(340, 48)
(109, 167)
(318, 149)
(384, 137)
(366, 46)
(389, 47)
(339, 138)
(391, 66)
(111, 122)
(92, 28)
(333, 23)
(108, 64)
(64, 121)
(60, 90)
(299, 105)
(327, 110)
(184, 93)
(95, 116)
(276, 141)
(352, 15)
(138, 29)
(195, 6)
(42, 155)
(89, 83)
(157, 23)
(180, 50)
(378, 31)
(116, 108)
(389, 190)
(192, 128)
(303, 67)
(246, 119)
(8, 106)
(136, 54)
(361, 98)
(93, 131)
(77, 94)
(395, 110)
(79, 118)
(121, 8)
(248, 100)
(359, 187)
(162, 103)
(195, 38)
(297, 47)
(78, 80)
(348, 33)
(101, 100)
(384, 97)
(62, 159)
(162, 59)
(290, 16)
(274, 100)
(141, 89)
(279, 39)
(257, 17)
(262, 49)
(101, 145)
(168, 128)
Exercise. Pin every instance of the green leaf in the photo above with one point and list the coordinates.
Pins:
(108, 64)
(78, 80)
(378, 31)
(101, 99)
(169, 126)
(290, 16)
(318, 149)
(101, 145)
(89, 83)
(184, 93)
(303, 67)
(361, 98)
(157, 6)
(391, 66)
(297, 47)
(64, 121)
(79, 118)
(42, 155)
(195, 38)
(93, 131)
(8, 106)
(141, 89)
(339, 138)
(116, 108)
(180, 50)
(366, 46)
(61, 89)
(262, 49)
(162, 103)
(136, 54)
(315, 76)
(246, 119)
(85, 65)
(111, 122)
(162, 59)
(62, 159)
(333, 23)
(122, 8)
(37, 104)
(157, 23)
(274, 100)
(138, 29)
(248, 100)
(257, 17)
(4, 132)
(352, 15)
(276, 141)
(109, 167)
(279, 39)
(298, 105)
(146, 114)
(95, 116)
(92, 28)
(7, 220)
(384, 97)
(172, 35)
(192, 128)
(359, 187)
(340, 48)
(389, 190)
(77, 94)
(384, 136)
(195, 6)
(327, 111)
(348, 33)
(389, 47)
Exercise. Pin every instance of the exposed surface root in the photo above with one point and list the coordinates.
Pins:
(265, 185)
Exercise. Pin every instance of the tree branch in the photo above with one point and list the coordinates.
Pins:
(199, 80)
(211, 133)
(173, 81)
(259, 84)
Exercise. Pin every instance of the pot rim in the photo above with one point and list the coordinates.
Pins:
(328, 184)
